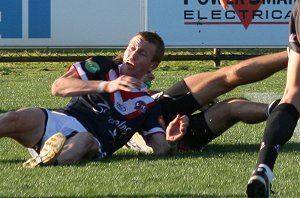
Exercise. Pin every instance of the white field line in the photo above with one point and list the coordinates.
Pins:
(268, 97)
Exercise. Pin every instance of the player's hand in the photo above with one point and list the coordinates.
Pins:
(224, 4)
(124, 83)
(177, 129)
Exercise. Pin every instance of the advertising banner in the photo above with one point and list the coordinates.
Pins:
(110, 23)
(69, 23)
(203, 23)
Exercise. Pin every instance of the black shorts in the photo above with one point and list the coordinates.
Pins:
(294, 28)
(179, 100)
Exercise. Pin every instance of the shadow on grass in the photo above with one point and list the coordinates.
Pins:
(14, 161)
(213, 150)
(246, 148)
(142, 196)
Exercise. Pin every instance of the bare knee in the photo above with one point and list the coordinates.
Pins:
(85, 141)
(12, 121)
(224, 114)
(241, 109)
(90, 143)
(236, 103)
(234, 75)
(231, 108)
(79, 147)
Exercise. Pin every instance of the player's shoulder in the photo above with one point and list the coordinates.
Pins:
(102, 60)
(98, 63)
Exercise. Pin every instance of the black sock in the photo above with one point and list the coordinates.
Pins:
(279, 129)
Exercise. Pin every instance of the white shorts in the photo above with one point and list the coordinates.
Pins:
(59, 122)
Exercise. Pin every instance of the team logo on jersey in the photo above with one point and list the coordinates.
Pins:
(92, 66)
(140, 106)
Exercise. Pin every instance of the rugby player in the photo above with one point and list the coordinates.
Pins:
(282, 121)
(109, 104)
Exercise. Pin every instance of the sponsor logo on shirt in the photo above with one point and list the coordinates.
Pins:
(121, 107)
(120, 125)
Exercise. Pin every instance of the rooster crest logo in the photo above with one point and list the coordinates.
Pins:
(140, 106)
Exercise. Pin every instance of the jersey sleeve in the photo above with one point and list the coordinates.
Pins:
(154, 123)
(93, 68)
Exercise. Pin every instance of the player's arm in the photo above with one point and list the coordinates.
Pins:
(167, 144)
(159, 145)
(71, 84)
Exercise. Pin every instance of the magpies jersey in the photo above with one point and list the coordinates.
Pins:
(113, 118)
(294, 28)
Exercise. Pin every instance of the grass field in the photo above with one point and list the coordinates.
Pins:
(221, 170)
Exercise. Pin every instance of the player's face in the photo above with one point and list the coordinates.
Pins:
(138, 56)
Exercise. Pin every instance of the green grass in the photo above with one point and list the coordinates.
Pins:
(221, 170)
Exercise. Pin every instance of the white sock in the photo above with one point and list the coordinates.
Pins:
(269, 172)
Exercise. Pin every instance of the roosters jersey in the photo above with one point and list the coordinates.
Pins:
(113, 118)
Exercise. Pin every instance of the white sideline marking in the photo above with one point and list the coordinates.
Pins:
(264, 97)
(268, 97)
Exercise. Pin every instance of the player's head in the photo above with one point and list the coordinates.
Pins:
(143, 54)
(155, 39)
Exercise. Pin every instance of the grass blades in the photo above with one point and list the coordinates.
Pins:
(221, 170)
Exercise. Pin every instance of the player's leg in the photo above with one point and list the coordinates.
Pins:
(177, 100)
(282, 121)
(213, 122)
(78, 146)
(279, 129)
(209, 85)
(48, 153)
(225, 114)
(81, 146)
(26, 126)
